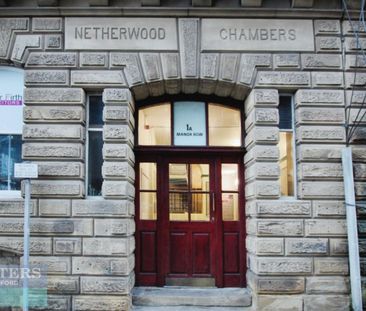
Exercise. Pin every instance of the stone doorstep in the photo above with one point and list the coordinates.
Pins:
(191, 297)
(186, 308)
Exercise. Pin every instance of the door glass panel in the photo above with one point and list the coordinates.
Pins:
(155, 125)
(286, 163)
(200, 207)
(178, 206)
(224, 126)
(230, 206)
(200, 179)
(178, 177)
(229, 173)
(148, 176)
(148, 205)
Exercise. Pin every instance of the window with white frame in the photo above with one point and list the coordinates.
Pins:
(286, 147)
(95, 145)
(11, 124)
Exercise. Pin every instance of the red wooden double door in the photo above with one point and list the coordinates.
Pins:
(190, 220)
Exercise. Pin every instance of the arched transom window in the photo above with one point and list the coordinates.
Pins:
(189, 123)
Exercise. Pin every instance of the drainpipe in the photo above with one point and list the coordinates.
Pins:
(353, 252)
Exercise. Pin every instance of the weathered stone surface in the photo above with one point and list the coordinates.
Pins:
(120, 114)
(15, 207)
(7, 27)
(273, 285)
(327, 285)
(258, 98)
(44, 77)
(118, 189)
(318, 153)
(263, 189)
(283, 266)
(209, 66)
(55, 265)
(228, 72)
(323, 190)
(326, 227)
(319, 97)
(264, 135)
(22, 43)
(118, 152)
(57, 303)
(88, 59)
(349, 27)
(55, 151)
(151, 66)
(98, 303)
(54, 96)
(320, 116)
(327, 79)
(357, 79)
(38, 245)
(329, 208)
(98, 78)
(131, 67)
(57, 188)
(60, 169)
(114, 227)
(282, 208)
(331, 266)
(262, 153)
(171, 72)
(286, 61)
(265, 246)
(102, 208)
(321, 134)
(105, 285)
(353, 46)
(328, 44)
(41, 114)
(108, 246)
(67, 246)
(102, 266)
(251, 3)
(326, 302)
(276, 227)
(303, 247)
(283, 79)
(51, 59)
(188, 41)
(118, 133)
(249, 62)
(320, 171)
(63, 284)
(118, 170)
(276, 302)
(53, 42)
(48, 24)
(118, 96)
(324, 26)
(49, 132)
(262, 116)
(321, 61)
(54, 208)
(339, 247)
(262, 170)
(355, 62)
(47, 226)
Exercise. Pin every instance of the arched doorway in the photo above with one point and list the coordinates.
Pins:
(190, 194)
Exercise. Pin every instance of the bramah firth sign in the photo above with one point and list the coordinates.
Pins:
(161, 34)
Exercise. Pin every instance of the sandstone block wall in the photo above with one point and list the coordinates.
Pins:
(297, 248)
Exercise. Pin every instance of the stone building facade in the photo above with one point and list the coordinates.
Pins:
(296, 248)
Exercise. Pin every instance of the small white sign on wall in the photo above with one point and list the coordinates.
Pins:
(189, 124)
(25, 170)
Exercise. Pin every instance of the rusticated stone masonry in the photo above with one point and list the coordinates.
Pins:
(296, 248)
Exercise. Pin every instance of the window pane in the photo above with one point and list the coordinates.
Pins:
(200, 178)
(178, 206)
(286, 164)
(285, 111)
(200, 207)
(95, 111)
(229, 177)
(148, 176)
(148, 205)
(178, 177)
(95, 162)
(224, 126)
(155, 125)
(189, 124)
(10, 153)
(230, 206)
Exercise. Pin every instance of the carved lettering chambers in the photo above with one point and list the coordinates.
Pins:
(121, 34)
(257, 35)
